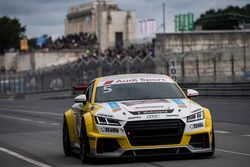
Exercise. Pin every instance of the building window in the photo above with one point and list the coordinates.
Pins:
(119, 39)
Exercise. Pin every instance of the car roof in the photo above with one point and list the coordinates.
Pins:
(135, 76)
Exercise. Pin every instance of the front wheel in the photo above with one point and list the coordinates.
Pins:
(84, 144)
(213, 144)
(66, 140)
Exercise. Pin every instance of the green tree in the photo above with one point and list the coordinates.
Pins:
(11, 32)
(224, 19)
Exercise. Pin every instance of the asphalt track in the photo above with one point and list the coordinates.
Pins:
(30, 135)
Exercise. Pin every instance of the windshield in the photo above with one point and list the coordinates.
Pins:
(137, 91)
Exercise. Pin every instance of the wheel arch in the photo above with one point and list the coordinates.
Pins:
(69, 117)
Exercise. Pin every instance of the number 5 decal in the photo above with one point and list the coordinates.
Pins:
(107, 89)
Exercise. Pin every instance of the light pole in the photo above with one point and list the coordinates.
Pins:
(164, 25)
(99, 26)
(242, 27)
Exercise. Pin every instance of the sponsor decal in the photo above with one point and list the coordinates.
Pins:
(133, 80)
(196, 126)
(109, 130)
(114, 106)
(148, 112)
(152, 116)
(108, 82)
(135, 117)
(92, 107)
(153, 80)
(170, 110)
(174, 115)
(105, 115)
(133, 103)
(148, 107)
(179, 103)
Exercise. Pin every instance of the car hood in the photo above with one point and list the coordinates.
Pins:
(148, 109)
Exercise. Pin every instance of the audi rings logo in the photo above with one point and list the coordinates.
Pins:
(152, 116)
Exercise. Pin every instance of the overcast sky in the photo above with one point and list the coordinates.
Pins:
(47, 16)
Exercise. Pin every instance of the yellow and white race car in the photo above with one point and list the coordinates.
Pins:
(137, 115)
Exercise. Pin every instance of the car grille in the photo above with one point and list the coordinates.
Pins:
(155, 132)
(157, 152)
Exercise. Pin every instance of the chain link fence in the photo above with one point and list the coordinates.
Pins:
(208, 66)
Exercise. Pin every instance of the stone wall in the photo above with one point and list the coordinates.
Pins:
(201, 40)
(38, 60)
(207, 55)
(24, 62)
(10, 60)
(48, 59)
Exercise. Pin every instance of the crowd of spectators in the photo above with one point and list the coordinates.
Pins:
(10, 71)
(2, 70)
(71, 41)
(139, 50)
(89, 40)
(75, 41)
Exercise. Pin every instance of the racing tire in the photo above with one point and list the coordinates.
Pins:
(213, 145)
(84, 144)
(66, 140)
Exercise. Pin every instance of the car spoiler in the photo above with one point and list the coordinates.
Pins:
(79, 89)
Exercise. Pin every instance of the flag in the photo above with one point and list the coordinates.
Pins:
(147, 26)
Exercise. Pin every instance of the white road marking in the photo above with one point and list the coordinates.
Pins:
(246, 135)
(221, 131)
(41, 122)
(19, 156)
(16, 118)
(232, 152)
(30, 112)
(55, 124)
(29, 120)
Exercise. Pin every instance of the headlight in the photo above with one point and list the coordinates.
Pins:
(107, 121)
(196, 117)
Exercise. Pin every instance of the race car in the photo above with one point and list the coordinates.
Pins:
(137, 115)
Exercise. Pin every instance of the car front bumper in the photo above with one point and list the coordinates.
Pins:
(107, 146)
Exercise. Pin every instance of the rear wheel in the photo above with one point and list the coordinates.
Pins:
(84, 144)
(66, 140)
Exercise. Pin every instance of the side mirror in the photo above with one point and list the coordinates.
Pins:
(80, 99)
(192, 93)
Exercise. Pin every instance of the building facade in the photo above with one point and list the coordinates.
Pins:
(113, 26)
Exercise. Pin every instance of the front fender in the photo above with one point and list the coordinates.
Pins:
(69, 116)
(208, 118)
